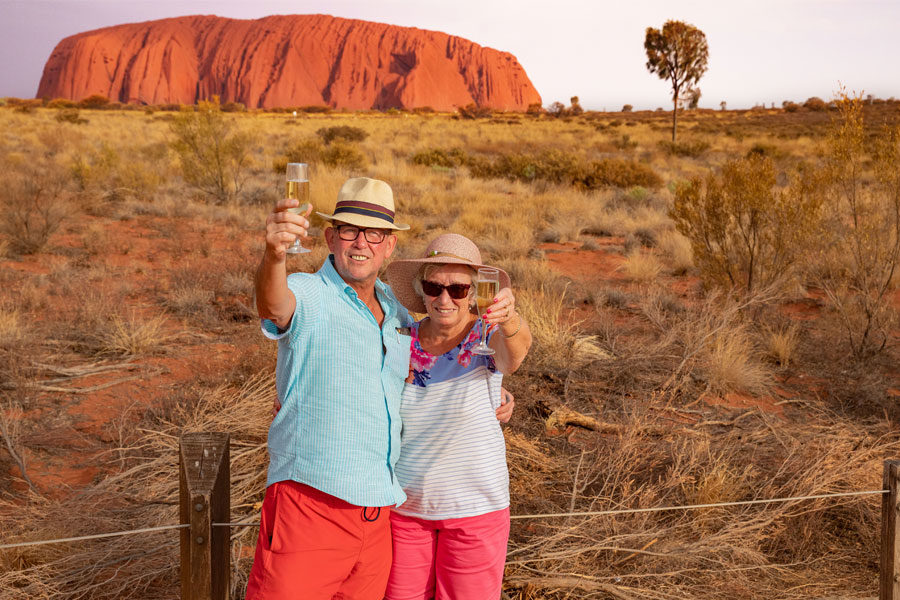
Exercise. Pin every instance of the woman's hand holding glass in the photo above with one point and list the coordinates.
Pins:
(502, 309)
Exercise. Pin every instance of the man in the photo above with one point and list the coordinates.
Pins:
(342, 359)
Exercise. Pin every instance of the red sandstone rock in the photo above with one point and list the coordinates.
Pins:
(287, 60)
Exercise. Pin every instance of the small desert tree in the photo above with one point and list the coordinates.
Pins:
(860, 234)
(213, 152)
(745, 233)
(678, 52)
(33, 193)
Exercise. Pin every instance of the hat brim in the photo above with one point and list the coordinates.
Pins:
(363, 221)
(400, 275)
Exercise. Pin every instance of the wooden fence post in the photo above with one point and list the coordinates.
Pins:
(205, 498)
(889, 580)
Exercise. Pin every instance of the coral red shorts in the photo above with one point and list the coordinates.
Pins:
(317, 547)
(448, 559)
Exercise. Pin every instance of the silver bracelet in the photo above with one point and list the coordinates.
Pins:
(518, 327)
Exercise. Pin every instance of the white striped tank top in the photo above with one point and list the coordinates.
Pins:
(452, 452)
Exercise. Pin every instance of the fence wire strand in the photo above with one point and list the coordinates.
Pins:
(595, 513)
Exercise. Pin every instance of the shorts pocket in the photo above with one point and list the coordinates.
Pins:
(285, 532)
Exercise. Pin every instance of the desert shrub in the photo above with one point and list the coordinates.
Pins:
(437, 157)
(763, 149)
(534, 109)
(303, 151)
(627, 108)
(34, 200)
(347, 133)
(314, 109)
(214, 154)
(624, 142)
(743, 233)
(815, 103)
(691, 149)
(859, 235)
(94, 101)
(575, 107)
(233, 107)
(61, 103)
(789, 106)
(473, 111)
(616, 172)
(552, 165)
(70, 115)
(344, 156)
(110, 174)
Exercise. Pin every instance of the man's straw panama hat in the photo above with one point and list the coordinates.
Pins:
(448, 249)
(365, 202)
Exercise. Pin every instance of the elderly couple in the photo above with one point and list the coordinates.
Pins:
(387, 468)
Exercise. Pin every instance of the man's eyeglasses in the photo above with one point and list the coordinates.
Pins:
(349, 233)
(457, 291)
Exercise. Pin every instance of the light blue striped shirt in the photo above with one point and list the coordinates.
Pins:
(339, 378)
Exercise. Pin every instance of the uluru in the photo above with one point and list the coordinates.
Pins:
(283, 61)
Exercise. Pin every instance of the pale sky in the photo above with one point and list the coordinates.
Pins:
(760, 51)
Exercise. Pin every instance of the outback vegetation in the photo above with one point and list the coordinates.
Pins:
(714, 321)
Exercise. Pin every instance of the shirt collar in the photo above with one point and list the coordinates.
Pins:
(382, 291)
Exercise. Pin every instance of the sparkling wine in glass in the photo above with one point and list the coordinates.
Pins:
(298, 189)
(487, 286)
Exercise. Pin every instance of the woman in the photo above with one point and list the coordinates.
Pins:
(450, 536)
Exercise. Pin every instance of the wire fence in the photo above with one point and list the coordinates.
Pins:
(596, 513)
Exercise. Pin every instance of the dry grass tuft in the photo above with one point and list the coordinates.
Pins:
(781, 344)
(730, 365)
(641, 267)
(133, 335)
(677, 251)
(557, 344)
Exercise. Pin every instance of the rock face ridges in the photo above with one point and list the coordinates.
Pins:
(282, 61)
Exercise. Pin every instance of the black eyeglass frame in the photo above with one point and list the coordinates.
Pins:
(457, 291)
(379, 233)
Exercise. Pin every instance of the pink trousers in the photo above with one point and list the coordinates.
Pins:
(449, 559)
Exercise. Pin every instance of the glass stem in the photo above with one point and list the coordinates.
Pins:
(483, 333)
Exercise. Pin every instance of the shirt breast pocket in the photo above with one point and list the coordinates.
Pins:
(397, 355)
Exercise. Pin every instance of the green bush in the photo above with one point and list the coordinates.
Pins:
(234, 107)
(343, 155)
(815, 103)
(347, 133)
(744, 234)
(70, 115)
(61, 103)
(314, 108)
(615, 172)
(304, 151)
(473, 111)
(691, 149)
(214, 154)
(94, 101)
(436, 157)
(33, 195)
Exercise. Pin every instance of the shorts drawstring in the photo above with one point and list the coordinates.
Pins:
(365, 514)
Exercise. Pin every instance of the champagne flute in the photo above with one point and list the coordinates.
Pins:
(298, 189)
(487, 286)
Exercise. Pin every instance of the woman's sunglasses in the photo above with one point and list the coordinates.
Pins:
(457, 291)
